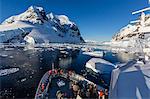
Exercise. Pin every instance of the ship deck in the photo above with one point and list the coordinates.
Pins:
(54, 88)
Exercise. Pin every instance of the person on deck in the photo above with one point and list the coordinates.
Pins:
(101, 94)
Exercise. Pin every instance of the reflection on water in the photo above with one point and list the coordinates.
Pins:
(65, 62)
(33, 63)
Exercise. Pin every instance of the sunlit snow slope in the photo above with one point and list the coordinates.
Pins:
(34, 26)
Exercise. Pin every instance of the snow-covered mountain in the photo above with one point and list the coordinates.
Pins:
(34, 26)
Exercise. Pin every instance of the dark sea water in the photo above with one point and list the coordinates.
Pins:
(33, 63)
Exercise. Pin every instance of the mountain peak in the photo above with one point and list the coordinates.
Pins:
(33, 14)
(35, 8)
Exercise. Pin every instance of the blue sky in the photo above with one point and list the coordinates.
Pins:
(97, 19)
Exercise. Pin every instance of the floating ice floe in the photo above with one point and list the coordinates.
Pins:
(11, 57)
(3, 55)
(100, 65)
(24, 79)
(86, 49)
(4, 72)
(9, 49)
(69, 47)
(95, 53)
(64, 52)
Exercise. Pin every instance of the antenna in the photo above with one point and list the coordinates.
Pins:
(142, 18)
(53, 67)
(140, 11)
(142, 24)
(136, 21)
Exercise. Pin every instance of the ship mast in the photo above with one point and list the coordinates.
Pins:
(53, 67)
(141, 22)
(142, 17)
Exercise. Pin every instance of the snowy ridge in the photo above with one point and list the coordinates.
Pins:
(43, 28)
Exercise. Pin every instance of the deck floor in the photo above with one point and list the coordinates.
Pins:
(53, 88)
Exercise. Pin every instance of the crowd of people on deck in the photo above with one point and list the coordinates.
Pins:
(80, 89)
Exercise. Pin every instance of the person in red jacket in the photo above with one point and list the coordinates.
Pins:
(101, 94)
(42, 87)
